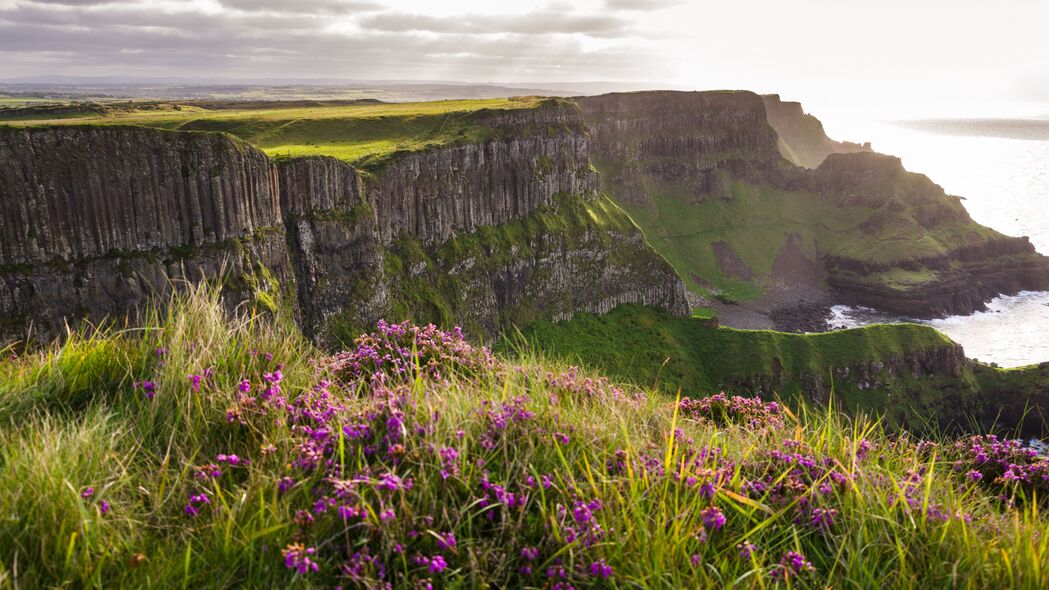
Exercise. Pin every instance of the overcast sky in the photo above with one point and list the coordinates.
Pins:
(799, 48)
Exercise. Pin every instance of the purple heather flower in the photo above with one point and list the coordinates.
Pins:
(285, 484)
(862, 449)
(530, 553)
(696, 559)
(387, 515)
(600, 569)
(389, 481)
(792, 563)
(746, 549)
(713, 518)
(823, 518)
(296, 557)
(446, 542)
(103, 506)
(194, 382)
(148, 387)
(195, 502)
(974, 475)
(437, 564)
(245, 386)
(88, 492)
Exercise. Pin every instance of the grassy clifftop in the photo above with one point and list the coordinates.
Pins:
(208, 451)
(362, 134)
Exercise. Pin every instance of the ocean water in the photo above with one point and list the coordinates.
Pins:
(1000, 163)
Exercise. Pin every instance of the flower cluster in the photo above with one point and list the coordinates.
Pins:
(724, 410)
(381, 489)
(1005, 464)
(400, 351)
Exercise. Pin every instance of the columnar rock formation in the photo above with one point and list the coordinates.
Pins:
(94, 221)
(433, 194)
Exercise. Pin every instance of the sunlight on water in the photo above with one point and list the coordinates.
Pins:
(1006, 185)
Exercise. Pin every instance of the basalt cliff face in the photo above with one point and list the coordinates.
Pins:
(96, 220)
(93, 222)
(704, 176)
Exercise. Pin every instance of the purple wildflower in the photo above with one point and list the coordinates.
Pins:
(600, 569)
(713, 518)
(297, 557)
(437, 564)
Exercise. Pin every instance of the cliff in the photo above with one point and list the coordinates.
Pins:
(802, 140)
(703, 175)
(534, 155)
(689, 139)
(95, 221)
(485, 233)
(488, 213)
(959, 277)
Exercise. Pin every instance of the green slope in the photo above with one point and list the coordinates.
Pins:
(649, 347)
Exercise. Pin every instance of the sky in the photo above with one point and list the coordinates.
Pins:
(824, 50)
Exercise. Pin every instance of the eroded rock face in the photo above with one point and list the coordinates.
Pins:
(335, 244)
(73, 193)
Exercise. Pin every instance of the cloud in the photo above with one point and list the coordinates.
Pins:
(307, 39)
(75, 2)
(535, 23)
(303, 6)
(640, 5)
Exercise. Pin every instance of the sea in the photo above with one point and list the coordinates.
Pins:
(998, 160)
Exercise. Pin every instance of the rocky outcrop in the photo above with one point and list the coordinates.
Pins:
(958, 281)
(802, 139)
(884, 374)
(583, 254)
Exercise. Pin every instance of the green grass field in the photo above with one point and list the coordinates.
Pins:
(175, 456)
(361, 134)
(7, 102)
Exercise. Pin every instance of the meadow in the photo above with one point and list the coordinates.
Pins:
(213, 450)
(362, 133)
